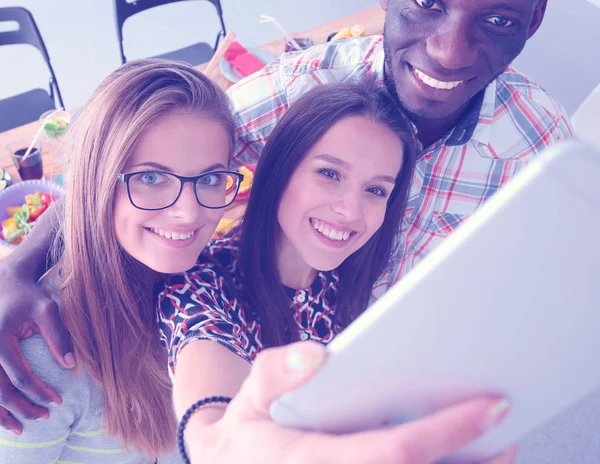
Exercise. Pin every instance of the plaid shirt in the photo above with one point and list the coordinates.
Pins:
(508, 125)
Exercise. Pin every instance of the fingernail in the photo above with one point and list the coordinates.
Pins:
(16, 432)
(497, 413)
(54, 403)
(69, 359)
(44, 416)
(304, 357)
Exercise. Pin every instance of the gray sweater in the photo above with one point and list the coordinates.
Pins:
(74, 431)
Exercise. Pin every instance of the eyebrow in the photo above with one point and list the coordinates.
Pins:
(506, 6)
(162, 167)
(339, 162)
(333, 160)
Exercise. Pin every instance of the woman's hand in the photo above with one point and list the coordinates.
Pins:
(247, 433)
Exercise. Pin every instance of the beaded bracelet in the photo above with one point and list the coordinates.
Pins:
(186, 417)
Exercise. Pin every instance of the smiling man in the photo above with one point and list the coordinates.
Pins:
(446, 62)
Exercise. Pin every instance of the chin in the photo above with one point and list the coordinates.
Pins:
(325, 265)
(431, 109)
(172, 266)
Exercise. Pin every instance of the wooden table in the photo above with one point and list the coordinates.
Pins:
(372, 19)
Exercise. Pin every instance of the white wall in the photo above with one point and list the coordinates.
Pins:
(564, 56)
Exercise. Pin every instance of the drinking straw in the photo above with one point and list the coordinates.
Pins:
(270, 19)
(37, 135)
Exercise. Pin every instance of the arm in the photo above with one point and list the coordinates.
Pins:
(204, 369)
(25, 309)
(245, 432)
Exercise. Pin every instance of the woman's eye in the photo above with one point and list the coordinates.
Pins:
(428, 4)
(151, 178)
(210, 180)
(500, 21)
(329, 173)
(380, 192)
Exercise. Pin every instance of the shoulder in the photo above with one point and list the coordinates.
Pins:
(341, 54)
(81, 409)
(520, 118)
(69, 383)
(330, 62)
(514, 85)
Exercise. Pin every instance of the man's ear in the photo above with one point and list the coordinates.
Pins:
(384, 4)
(538, 17)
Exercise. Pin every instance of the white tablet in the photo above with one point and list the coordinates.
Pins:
(509, 304)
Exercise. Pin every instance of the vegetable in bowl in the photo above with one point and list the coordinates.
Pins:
(21, 219)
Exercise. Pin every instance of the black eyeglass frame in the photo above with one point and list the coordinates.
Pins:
(182, 181)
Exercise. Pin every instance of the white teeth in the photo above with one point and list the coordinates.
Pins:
(431, 82)
(330, 233)
(173, 235)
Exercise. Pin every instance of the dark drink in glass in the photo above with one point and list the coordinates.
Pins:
(303, 43)
(30, 167)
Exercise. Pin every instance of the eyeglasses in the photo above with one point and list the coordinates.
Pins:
(156, 190)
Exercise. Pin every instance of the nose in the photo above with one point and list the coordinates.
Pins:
(454, 46)
(349, 205)
(186, 207)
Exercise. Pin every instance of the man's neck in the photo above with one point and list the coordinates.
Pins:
(430, 131)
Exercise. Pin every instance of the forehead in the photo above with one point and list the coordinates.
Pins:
(183, 141)
(361, 142)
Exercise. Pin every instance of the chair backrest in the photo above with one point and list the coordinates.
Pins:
(29, 34)
(125, 9)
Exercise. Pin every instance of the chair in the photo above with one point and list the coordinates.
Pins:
(193, 54)
(26, 107)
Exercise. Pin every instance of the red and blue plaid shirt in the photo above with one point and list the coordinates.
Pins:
(510, 124)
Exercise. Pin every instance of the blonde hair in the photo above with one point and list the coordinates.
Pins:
(107, 301)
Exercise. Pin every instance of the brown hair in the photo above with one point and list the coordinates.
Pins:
(107, 301)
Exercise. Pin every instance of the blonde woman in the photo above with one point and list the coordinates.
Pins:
(124, 225)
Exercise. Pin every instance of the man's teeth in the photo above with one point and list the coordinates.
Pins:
(173, 235)
(329, 232)
(431, 82)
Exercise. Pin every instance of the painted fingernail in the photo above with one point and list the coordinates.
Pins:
(497, 413)
(304, 358)
(69, 360)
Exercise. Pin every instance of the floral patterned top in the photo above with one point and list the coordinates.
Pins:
(204, 304)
